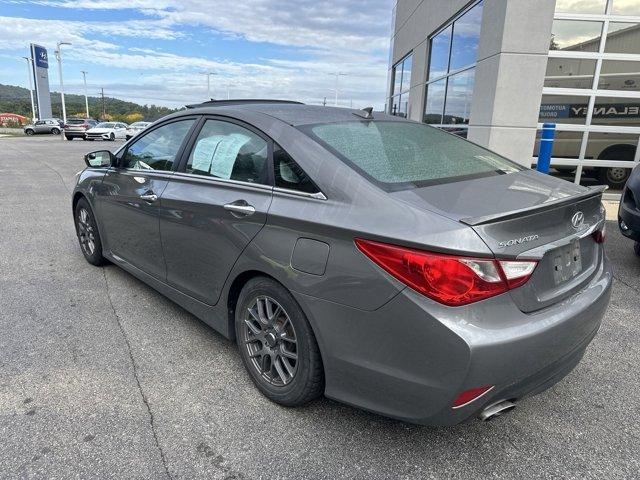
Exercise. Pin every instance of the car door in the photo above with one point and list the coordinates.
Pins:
(214, 206)
(40, 126)
(128, 202)
(121, 130)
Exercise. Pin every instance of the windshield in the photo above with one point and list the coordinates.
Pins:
(105, 125)
(400, 155)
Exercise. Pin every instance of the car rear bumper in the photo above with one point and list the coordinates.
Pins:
(74, 133)
(410, 358)
(630, 215)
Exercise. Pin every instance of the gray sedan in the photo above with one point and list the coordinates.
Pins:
(382, 262)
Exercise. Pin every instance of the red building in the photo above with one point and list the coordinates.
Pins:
(6, 118)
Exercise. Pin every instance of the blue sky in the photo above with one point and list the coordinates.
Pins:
(156, 51)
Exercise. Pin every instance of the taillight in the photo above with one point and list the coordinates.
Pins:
(448, 279)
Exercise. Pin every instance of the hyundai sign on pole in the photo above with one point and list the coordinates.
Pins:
(41, 77)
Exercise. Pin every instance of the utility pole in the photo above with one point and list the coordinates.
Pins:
(338, 75)
(208, 74)
(103, 109)
(86, 100)
(30, 74)
(59, 58)
(324, 102)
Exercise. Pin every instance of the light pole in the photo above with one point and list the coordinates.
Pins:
(29, 74)
(338, 75)
(59, 58)
(208, 74)
(86, 100)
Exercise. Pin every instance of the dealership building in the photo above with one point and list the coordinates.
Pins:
(495, 70)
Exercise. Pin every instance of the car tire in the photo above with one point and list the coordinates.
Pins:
(68, 138)
(636, 248)
(112, 137)
(615, 177)
(84, 138)
(87, 232)
(268, 345)
(55, 131)
(29, 132)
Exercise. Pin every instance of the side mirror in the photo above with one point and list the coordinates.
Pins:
(100, 159)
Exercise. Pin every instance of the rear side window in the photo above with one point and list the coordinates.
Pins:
(401, 155)
(228, 151)
(157, 149)
(288, 173)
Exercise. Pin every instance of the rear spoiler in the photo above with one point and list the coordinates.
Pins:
(592, 192)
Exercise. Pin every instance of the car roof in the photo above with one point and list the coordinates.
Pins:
(294, 114)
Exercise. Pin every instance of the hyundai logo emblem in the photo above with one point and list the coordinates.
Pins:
(577, 220)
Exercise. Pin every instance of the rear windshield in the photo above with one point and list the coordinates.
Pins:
(401, 155)
(75, 121)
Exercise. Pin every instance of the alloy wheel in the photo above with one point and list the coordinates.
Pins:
(86, 233)
(270, 340)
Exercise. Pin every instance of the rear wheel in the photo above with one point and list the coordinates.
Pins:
(68, 138)
(88, 235)
(55, 131)
(277, 345)
(615, 177)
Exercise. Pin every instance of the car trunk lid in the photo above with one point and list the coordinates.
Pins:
(527, 215)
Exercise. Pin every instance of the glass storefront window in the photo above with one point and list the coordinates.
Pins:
(563, 109)
(575, 35)
(569, 73)
(581, 6)
(616, 111)
(619, 75)
(406, 73)
(466, 36)
(401, 85)
(623, 38)
(611, 146)
(397, 79)
(565, 145)
(625, 7)
(439, 56)
(434, 104)
(458, 98)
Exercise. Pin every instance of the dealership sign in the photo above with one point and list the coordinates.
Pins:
(551, 111)
(41, 81)
(40, 56)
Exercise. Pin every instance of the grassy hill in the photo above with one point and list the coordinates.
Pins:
(16, 100)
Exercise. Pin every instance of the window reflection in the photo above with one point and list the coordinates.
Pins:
(575, 35)
(569, 73)
(563, 109)
(565, 145)
(439, 57)
(581, 6)
(623, 38)
(397, 78)
(458, 98)
(466, 35)
(434, 104)
(619, 75)
(401, 85)
(626, 7)
(616, 111)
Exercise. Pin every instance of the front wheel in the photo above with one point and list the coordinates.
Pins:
(112, 137)
(615, 177)
(88, 235)
(277, 345)
(29, 132)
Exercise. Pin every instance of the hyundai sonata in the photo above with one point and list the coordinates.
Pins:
(382, 262)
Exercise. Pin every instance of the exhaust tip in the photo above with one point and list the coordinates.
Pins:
(496, 409)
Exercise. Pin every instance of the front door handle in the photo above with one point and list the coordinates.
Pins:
(149, 197)
(239, 209)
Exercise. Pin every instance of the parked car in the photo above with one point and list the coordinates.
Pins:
(77, 127)
(135, 128)
(386, 263)
(46, 125)
(629, 210)
(107, 131)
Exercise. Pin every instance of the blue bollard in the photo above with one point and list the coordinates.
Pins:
(546, 147)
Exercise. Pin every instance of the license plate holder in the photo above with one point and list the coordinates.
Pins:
(567, 262)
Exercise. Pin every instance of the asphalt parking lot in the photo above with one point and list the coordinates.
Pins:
(102, 377)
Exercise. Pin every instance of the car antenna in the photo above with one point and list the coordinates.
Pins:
(366, 112)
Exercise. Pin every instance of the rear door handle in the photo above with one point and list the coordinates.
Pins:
(149, 197)
(240, 209)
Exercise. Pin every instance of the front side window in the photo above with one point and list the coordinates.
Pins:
(401, 155)
(157, 150)
(288, 174)
(231, 152)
